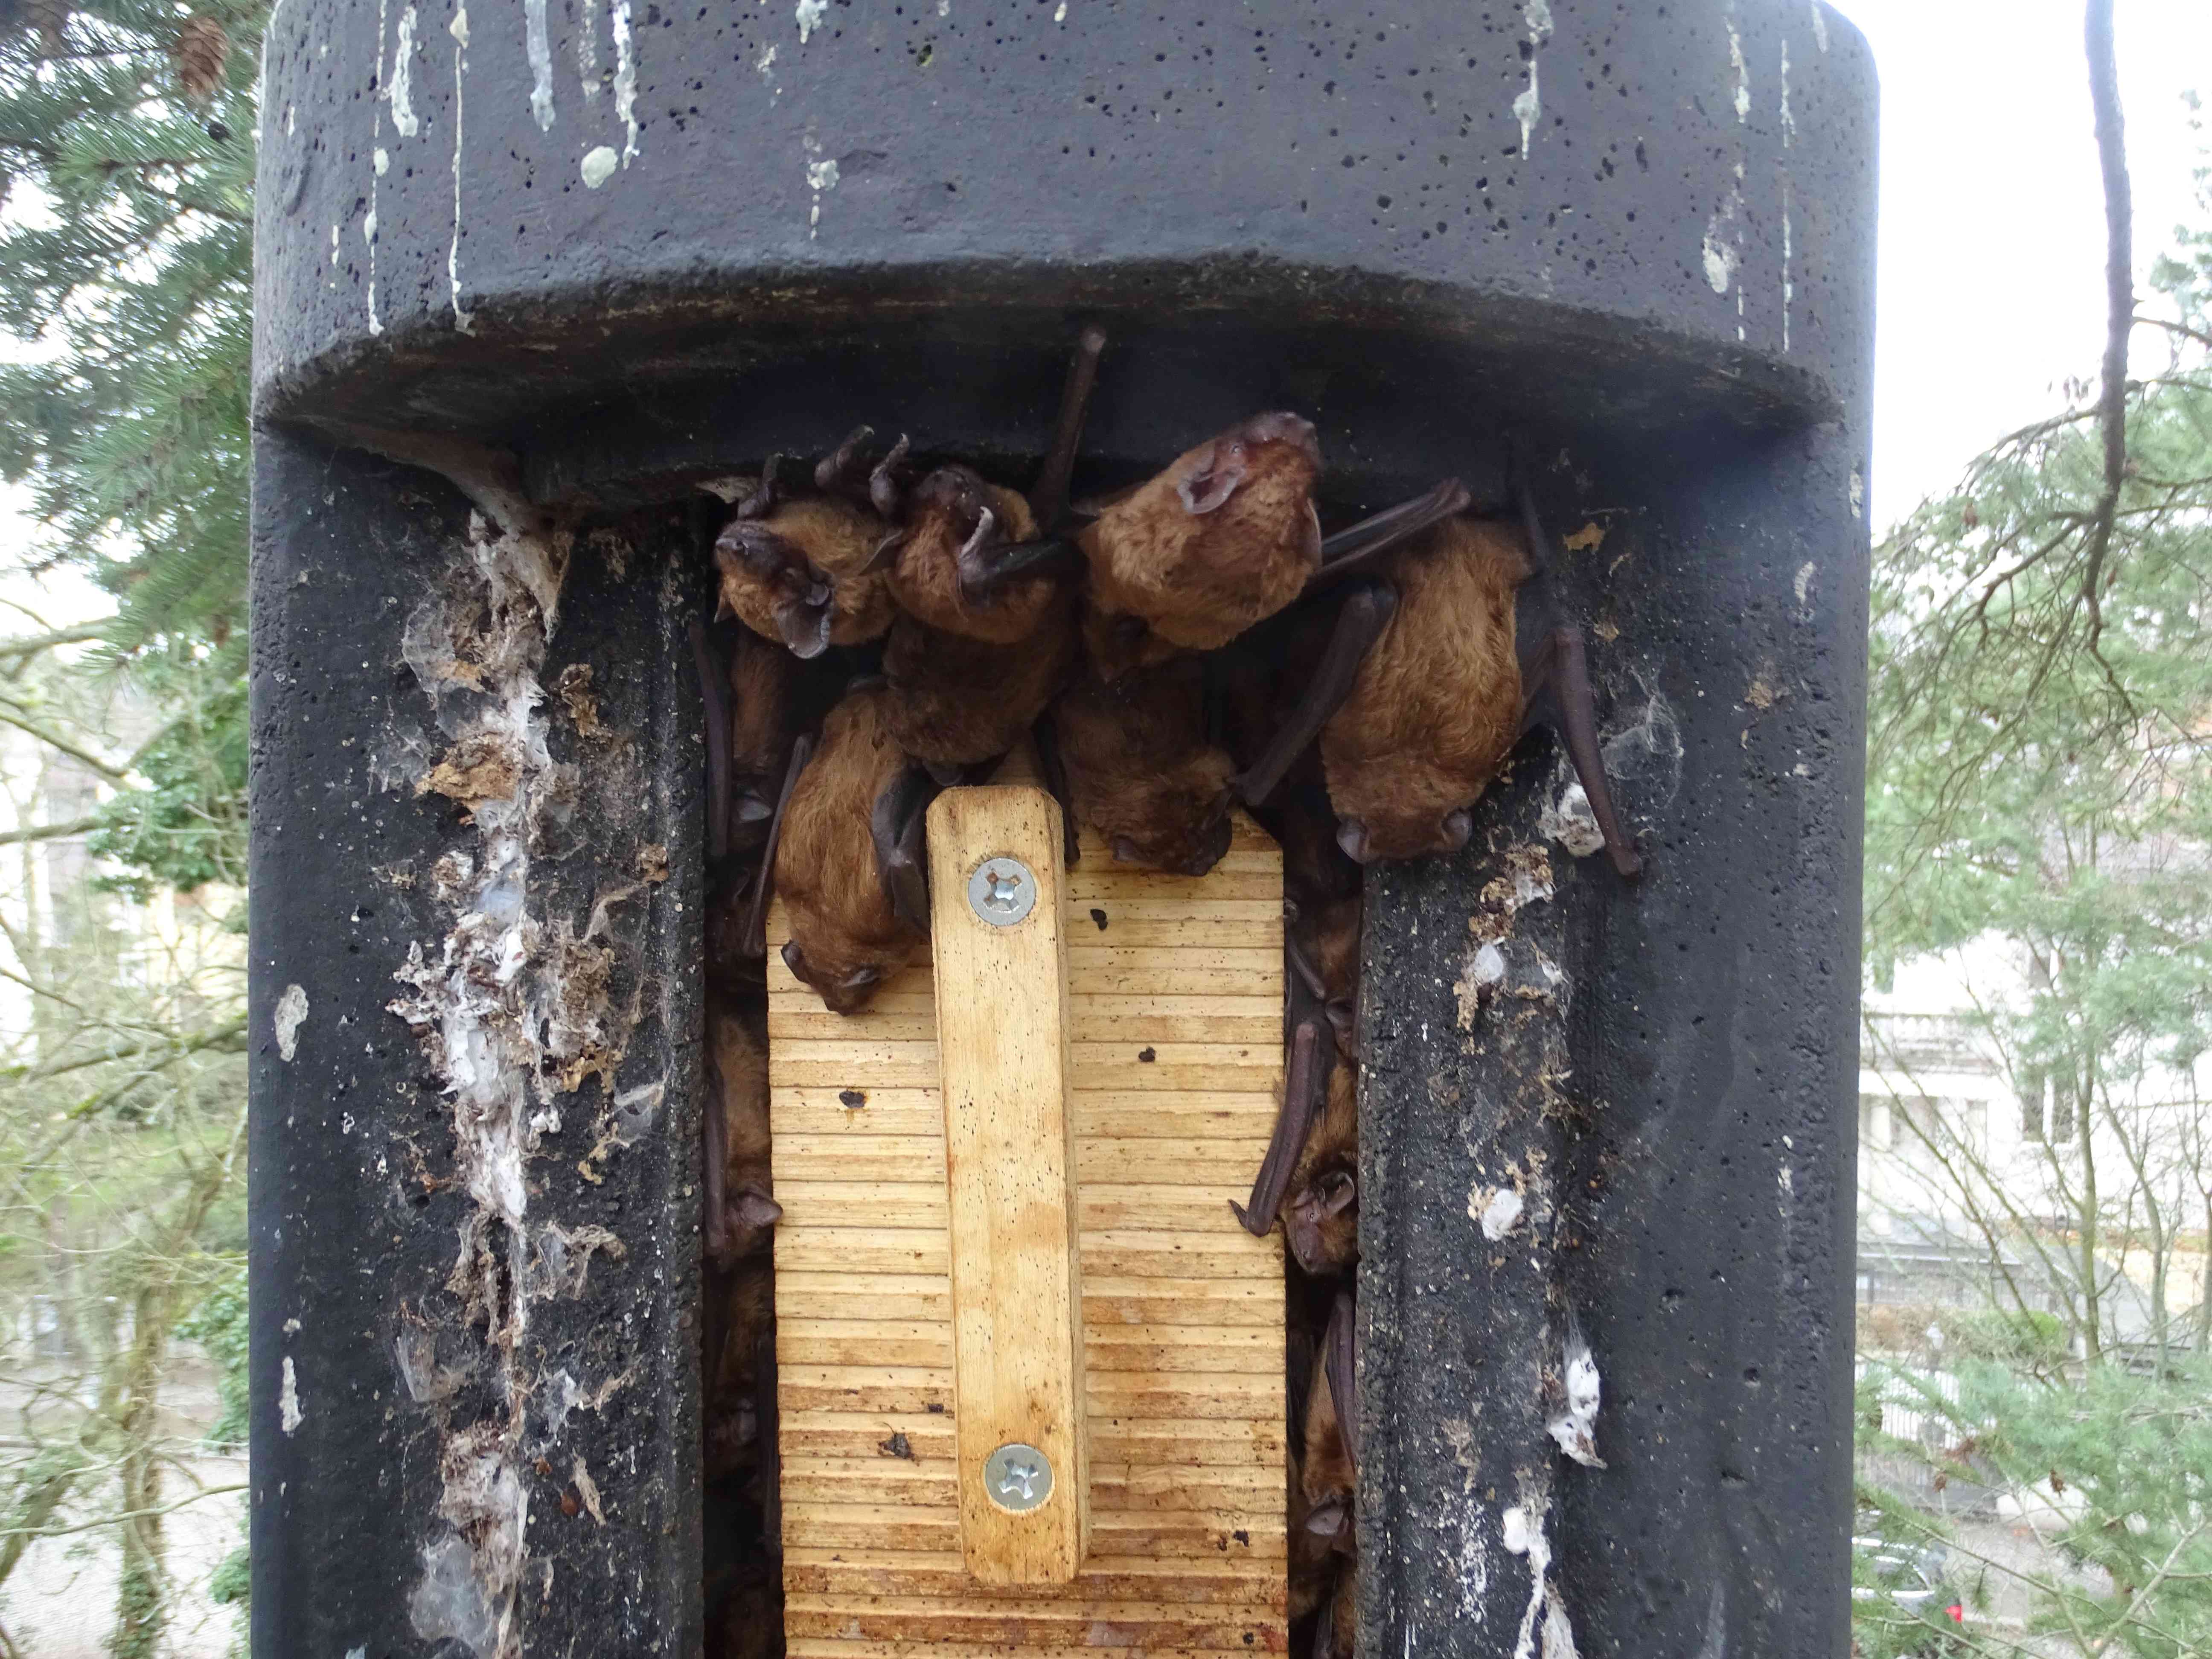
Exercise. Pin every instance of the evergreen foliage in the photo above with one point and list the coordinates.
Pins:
(126, 163)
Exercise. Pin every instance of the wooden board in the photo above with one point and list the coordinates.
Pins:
(1174, 1056)
(1017, 1345)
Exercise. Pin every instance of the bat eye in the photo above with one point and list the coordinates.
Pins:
(1352, 837)
(1458, 824)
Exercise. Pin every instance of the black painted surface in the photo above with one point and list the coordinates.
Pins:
(357, 1213)
(1003, 161)
(692, 314)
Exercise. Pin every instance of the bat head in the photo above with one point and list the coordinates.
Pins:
(1209, 474)
(1412, 834)
(749, 1219)
(845, 987)
(1321, 1221)
(1182, 825)
(775, 589)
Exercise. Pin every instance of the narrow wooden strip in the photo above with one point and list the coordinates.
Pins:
(859, 1203)
(813, 1647)
(836, 1296)
(1179, 1301)
(1108, 887)
(826, 1572)
(908, 1158)
(1214, 1114)
(1125, 927)
(864, 1342)
(1164, 1360)
(861, 1251)
(1037, 1625)
(897, 1527)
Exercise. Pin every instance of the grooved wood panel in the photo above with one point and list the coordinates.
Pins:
(1175, 1005)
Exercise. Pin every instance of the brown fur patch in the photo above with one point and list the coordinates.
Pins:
(1140, 771)
(1436, 705)
(841, 918)
(956, 701)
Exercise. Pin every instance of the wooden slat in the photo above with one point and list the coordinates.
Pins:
(1181, 1312)
(1009, 1162)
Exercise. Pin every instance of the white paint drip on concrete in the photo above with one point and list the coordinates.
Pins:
(1788, 118)
(464, 320)
(403, 78)
(811, 16)
(599, 165)
(540, 48)
(291, 1010)
(625, 79)
(1720, 258)
(1820, 25)
(288, 1414)
(1743, 75)
(1789, 258)
(766, 62)
(380, 160)
(1858, 493)
(1545, 1619)
(587, 50)
(1528, 106)
(1803, 587)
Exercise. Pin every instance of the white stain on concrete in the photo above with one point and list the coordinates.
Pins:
(291, 1010)
(1528, 106)
(540, 48)
(1858, 493)
(1820, 25)
(381, 162)
(811, 16)
(821, 177)
(587, 50)
(1803, 588)
(625, 79)
(1789, 117)
(402, 82)
(1574, 1428)
(1720, 258)
(766, 62)
(1060, 12)
(464, 320)
(1788, 265)
(288, 1414)
(1498, 1210)
(1743, 75)
(599, 165)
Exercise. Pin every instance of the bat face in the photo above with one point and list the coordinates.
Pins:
(1226, 535)
(844, 988)
(801, 575)
(1321, 1217)
(940, 571)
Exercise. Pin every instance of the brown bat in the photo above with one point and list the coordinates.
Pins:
(740, 1204)
(1330, 1467)
(957, 702)
(847, 855)
(1321, 1216)
(1428, 679)
(1225, 537)
(740, 1307)
(762, 724)
(1140, 771)
(802, 570)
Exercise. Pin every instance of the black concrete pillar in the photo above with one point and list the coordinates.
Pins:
(531, 275)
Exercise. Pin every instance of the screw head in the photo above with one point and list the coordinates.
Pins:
(1018, 1477)
(1002, 891)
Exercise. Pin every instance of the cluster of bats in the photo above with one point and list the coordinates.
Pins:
(1190, 644)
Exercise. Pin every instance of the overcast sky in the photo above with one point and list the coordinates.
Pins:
(1992, 218)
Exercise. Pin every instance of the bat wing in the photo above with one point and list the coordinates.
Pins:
(1303, 1091)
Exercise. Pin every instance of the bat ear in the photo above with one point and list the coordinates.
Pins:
(1338, 1194)
(1213, 479)
(749, 806)
(1325, 1519)
(804, 628)
(1352, 837)
(1458, 825)
(794, 958)
(755, 1209)
(887, 552)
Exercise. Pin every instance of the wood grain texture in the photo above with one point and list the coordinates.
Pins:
(1002, 1050)
(1181, 1311)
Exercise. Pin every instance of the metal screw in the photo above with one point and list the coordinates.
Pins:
(1002, 891)
(1018, 1477)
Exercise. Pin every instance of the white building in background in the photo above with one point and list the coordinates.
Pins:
(1971, 1169)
